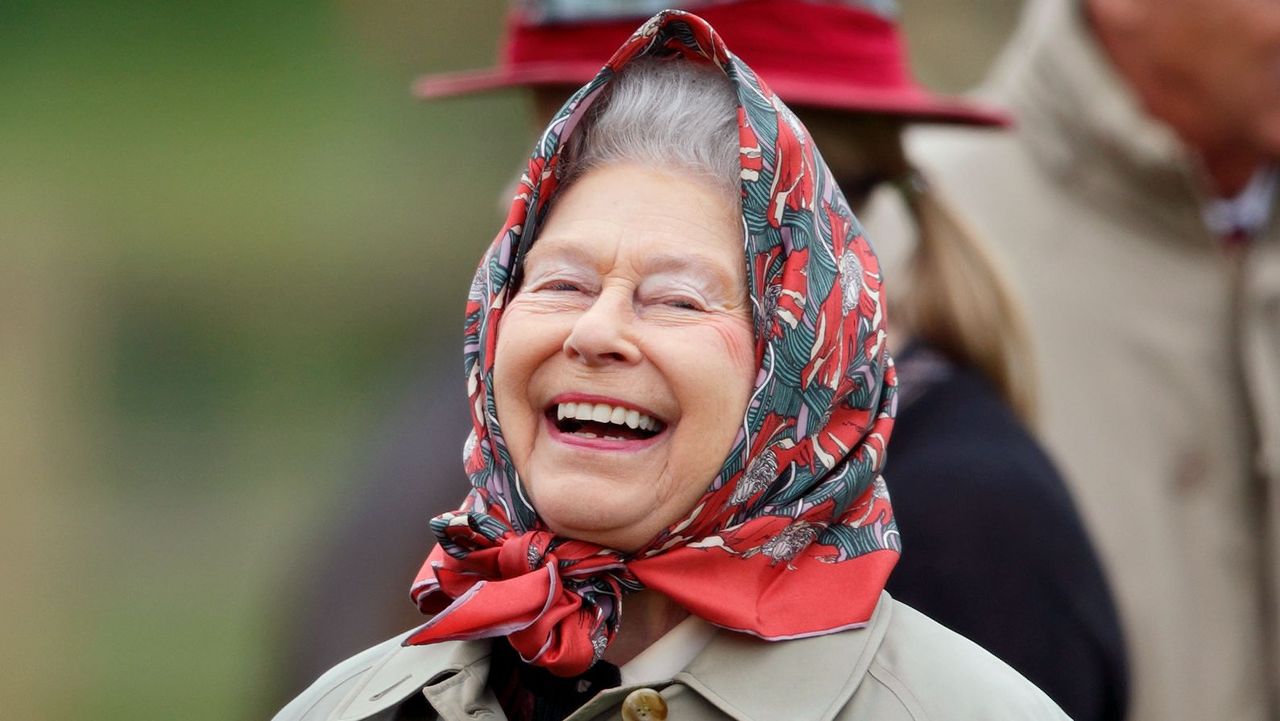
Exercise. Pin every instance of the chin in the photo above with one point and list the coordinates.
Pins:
(593, 512)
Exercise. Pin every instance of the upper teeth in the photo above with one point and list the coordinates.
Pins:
(605, 413)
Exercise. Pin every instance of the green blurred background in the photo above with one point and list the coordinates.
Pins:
(228, 236)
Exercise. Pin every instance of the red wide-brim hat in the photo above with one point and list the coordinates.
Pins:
(823, 55)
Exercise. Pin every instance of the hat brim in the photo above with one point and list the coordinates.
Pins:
(912, 104)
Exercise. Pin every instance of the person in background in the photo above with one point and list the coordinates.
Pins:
(976, 497)
(1135, 205)
(676, 506)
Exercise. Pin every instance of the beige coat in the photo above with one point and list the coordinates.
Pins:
(1159, 359)
(901, 666)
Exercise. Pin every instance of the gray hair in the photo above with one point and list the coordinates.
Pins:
(664, 113)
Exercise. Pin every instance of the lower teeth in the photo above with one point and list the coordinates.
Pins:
(588, 434)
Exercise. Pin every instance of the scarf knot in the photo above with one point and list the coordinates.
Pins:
(556, 600)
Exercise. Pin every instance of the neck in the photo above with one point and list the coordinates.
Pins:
(1121, 29)
(647, 616)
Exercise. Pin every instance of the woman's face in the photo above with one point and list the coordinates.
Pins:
(625, 361)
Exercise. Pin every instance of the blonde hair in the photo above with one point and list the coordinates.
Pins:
(954, 297)
(959, 301)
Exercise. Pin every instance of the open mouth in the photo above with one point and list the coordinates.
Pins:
(601, 420)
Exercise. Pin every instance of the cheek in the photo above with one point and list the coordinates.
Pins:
(739, 349)
(523, 344)
(715, 364)
(507, 369)
(716, 372)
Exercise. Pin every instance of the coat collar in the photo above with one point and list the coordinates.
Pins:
(400, 671)
(829, 668)
(726, 674)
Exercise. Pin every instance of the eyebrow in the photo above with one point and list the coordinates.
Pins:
(551, 250)
(692, 263)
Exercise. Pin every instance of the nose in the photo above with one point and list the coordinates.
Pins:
(604, 333)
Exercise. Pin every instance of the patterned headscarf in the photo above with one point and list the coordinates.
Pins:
(795, 535)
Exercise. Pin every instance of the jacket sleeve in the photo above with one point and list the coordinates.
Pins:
(322, 697)
(373, 684)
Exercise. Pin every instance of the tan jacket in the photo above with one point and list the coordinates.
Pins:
(1159, 359)
(901, 666)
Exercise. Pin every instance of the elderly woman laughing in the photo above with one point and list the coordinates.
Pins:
(675, 353)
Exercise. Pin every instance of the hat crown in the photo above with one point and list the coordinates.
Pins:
(845, 55)
(561, 11)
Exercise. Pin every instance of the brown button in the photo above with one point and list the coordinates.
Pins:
(644, 704)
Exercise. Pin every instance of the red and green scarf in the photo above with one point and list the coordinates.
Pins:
(795, 536)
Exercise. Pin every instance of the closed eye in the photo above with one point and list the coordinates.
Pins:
(682, 304)
(562, 285)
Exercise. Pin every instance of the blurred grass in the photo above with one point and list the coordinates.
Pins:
(229, 230)
(227, 237)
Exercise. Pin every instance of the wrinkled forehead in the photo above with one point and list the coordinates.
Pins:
(656, 221)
